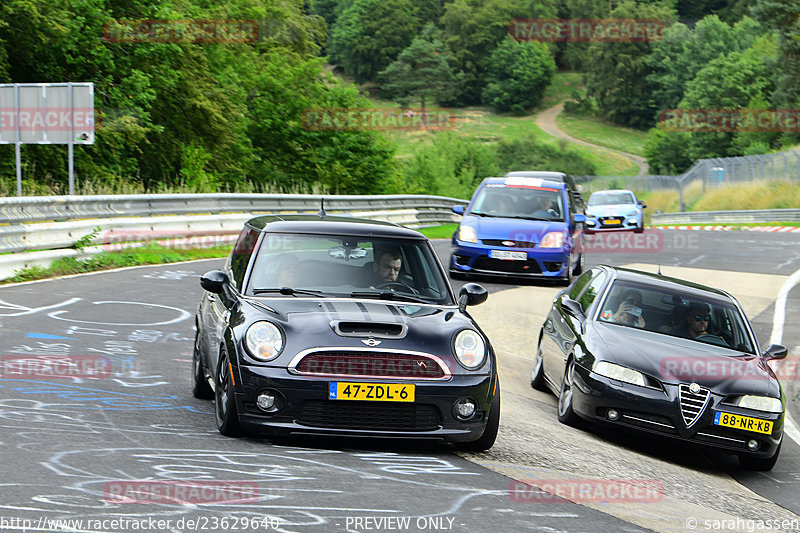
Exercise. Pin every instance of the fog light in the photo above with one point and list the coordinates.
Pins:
(266, 401)
(465, 408)
(752, 444)
(613, 414)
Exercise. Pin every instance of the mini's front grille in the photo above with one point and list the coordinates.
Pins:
(378, 416)
(371, 364)
(529, 266)
(505, 242)
(692, 403)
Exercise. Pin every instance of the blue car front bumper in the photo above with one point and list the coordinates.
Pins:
(468, 258)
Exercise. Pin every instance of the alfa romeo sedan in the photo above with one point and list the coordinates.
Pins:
(662, 356)
(337, 326)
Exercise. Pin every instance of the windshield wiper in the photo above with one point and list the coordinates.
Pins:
(387, 295)
(289, 291)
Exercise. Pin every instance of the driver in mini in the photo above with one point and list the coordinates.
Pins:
(387, 267)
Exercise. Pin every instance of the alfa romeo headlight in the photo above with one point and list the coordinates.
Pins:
(761, 403)
(470, 349)
(620, 373)
(467, 234)
(263, 340)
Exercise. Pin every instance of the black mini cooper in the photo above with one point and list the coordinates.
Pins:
(346, 327)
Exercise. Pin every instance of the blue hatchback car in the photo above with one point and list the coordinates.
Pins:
(519, 227)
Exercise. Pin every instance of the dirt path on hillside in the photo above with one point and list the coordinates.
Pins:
(547, 121)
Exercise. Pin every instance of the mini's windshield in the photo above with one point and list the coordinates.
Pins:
(300, 265)
(690, 316)
(611, 198)
(535, 203)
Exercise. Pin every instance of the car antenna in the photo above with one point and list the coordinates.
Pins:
(322, 212)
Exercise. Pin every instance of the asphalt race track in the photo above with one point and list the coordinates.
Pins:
(78, 449)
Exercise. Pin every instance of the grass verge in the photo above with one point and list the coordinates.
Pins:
(151, 254)
(597, 131)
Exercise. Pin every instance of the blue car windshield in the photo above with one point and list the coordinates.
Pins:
(611, 198)
(535, 203)
(348, 266)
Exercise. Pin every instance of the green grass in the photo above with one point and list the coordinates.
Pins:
(597, 131)
(444, 231)
(561, 88)
(152, 254)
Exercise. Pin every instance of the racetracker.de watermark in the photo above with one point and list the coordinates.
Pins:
(34, 119)
(113, 241)
(55, 367)
(184, 31)
(342, 119)
(180, 491)
(586, 490)
(689, 369)
(586, 30)
(703, 120)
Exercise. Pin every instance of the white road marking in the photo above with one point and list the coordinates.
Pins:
(780, 308)
(778, 318)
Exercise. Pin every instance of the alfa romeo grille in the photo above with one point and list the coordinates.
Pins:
(692, 403)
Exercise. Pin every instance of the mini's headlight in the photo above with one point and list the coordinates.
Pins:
(761, 403)
(263, 340)
(554, 239)
(470, 349)
(620, 373)
(467, 234)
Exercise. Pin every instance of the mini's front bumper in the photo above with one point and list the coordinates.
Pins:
(303, 407)
(658, 412)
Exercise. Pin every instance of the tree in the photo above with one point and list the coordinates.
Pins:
(677, 58)
(474, 28)
(519, 73)
(421, 71)
(370, 34)
(731, 82)
(784, 17)
(617, 78)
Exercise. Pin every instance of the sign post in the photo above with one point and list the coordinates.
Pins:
(47, 113)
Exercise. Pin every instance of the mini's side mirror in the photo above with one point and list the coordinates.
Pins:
(776, 351)
(472, 294)
(458, 209)
(214, 281)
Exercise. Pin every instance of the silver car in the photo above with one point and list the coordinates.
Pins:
(615, 210)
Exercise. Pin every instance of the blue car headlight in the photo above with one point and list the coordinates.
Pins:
(467, 234)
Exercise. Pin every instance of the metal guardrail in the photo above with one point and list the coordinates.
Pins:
(728, 217)
(38, 230)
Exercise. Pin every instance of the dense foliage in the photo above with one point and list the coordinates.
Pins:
(234, 115)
